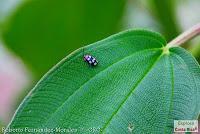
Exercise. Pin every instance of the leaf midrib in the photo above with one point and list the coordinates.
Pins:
(172, 94)
(134, 87)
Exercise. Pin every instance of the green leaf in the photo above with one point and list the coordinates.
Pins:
(42, 32)
(139, 83)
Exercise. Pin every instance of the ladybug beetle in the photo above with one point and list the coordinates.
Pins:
(90, 60)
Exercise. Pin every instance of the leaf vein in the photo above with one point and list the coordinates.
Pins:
(92, 78)
(145, 74)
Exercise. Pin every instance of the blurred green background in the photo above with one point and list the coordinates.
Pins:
(37, 34)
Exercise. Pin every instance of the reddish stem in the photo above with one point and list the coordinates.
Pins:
(186, 36)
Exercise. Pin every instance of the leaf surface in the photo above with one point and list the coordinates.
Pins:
(138, 86)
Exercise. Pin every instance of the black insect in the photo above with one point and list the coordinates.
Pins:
(90, 60)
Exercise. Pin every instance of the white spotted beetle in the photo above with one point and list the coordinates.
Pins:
(90, 59)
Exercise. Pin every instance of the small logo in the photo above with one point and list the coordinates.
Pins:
(185, 125)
